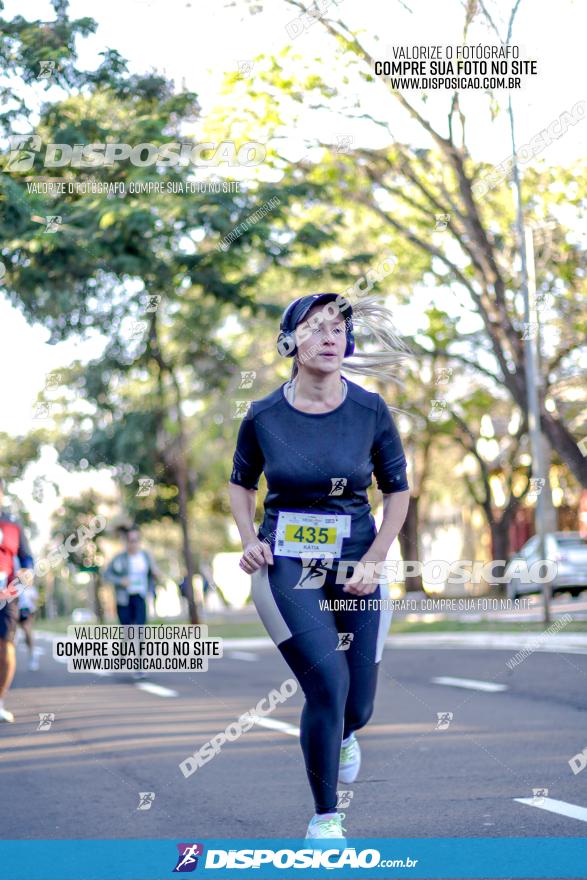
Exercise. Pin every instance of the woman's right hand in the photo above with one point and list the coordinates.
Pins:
(256, 553)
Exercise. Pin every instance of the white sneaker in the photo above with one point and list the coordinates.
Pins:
(33, 664)
(5, 715)
(322, 827)
(350, 760)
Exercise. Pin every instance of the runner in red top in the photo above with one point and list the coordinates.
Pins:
(13, 543)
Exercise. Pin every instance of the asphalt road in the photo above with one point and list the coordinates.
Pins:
(111, 739)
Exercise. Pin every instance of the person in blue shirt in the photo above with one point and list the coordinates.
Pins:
(319, 439)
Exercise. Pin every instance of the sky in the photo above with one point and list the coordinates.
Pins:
(196, 42)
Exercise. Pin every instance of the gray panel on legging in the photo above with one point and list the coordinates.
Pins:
(267, 607)
(385, 616)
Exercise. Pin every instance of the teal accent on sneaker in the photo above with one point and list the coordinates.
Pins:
(350, 760)
(326, 828)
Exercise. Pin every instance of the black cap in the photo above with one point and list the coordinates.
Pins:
(301, 307)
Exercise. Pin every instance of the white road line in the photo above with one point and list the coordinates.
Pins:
(243, 655)
(470, 683)
(156, 689)
(554, 806)
(277, 725)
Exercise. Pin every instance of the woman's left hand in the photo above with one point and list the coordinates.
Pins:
(369, 580)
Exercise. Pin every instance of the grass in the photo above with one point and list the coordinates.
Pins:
(250, 629)
(226, 630)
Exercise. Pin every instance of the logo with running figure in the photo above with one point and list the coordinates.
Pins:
(313, 574)
(247, 378)
(343, 799)
(444, 719)
(146, 799)
(21, 159)
(188, 857)
(46, 719)
(338, 485)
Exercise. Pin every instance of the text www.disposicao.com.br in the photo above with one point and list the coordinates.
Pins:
(135, 664)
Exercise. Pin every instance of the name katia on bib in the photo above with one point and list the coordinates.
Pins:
(321, 534)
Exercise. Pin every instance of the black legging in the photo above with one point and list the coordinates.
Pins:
(339, 700)
(133, 613)
(339, 685)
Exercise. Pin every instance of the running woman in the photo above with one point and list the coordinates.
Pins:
(13, 545)
(318, 439)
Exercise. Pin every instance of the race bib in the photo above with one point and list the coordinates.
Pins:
(317, 534)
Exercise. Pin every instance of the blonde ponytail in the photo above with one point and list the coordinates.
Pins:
(374, 317)
(371, 315)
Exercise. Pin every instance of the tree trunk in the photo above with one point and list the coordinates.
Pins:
(500, 538)
(181, 477)
(177, 462)
(98, 608)
(409, 544)
(500, 547)
(562, 441)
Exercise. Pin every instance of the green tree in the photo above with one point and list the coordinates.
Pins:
(424, 200)
(101, 267)
(77, 516)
